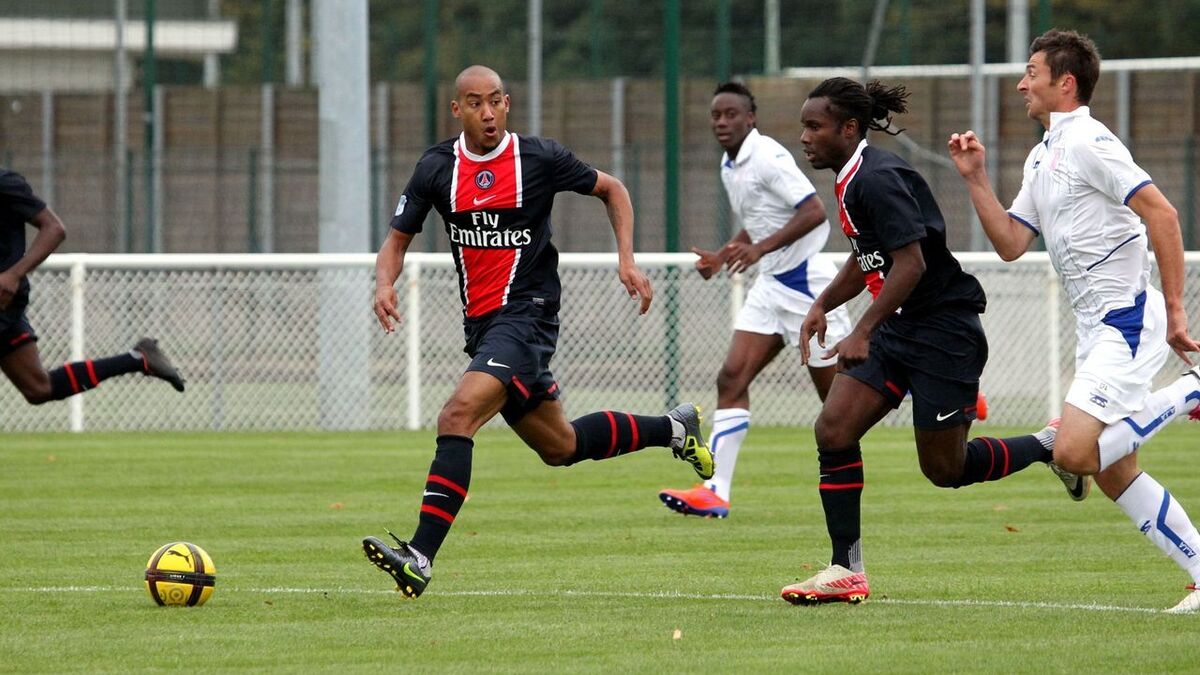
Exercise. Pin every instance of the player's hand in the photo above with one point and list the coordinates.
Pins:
(385, 308)
(637, 285)
(739, 256)
(1177, 335)
(967, 152)
(10, 283)
(852, 350)
(709, 262)
(814, 324)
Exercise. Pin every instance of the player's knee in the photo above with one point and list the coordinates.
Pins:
(556, 455)
(943, 476)
(730, 383)
(455, 418)
(36, 393)
(1081, 463)
(831, 434)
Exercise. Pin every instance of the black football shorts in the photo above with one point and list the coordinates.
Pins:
(14, 330)
(938, 357)
(515, 346)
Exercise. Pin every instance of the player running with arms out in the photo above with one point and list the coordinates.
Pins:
(19, 357)
(495, 190)
(782, 228)
(920, 334)
(1084, 193)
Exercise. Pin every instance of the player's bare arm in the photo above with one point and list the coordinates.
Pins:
(1010, 238)
(806, 218)
(846, 285)
(50, 234)
(1162, 226)
(620, 214)
(908, 264)
(388, 265)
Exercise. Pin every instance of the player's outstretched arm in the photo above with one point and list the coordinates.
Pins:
(388, 265)
(1162, 226)
(805, 219)
(908, 264)
(50, 234)
(620, 214)
(1010, 238)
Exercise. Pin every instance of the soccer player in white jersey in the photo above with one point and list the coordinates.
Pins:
(781, 227)
(1083, 192)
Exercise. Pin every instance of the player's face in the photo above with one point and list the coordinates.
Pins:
(731, 120)
(827, 142)
(482, 106)
(1043, 95)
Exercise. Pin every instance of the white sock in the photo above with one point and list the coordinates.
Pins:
(1156, 513)
(730, 426)
(1120, 439)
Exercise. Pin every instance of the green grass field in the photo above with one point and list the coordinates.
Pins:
(577, 570)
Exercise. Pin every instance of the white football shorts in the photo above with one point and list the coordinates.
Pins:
(774, 307)
(1112, 381)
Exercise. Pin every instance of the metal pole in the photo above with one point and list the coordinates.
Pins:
(344, 212)
(121, 129)
(412, 278)
(618, 128)
(1123, 99)
(149, 82)
(671, 191)
(872, 47)
(724, 42)
(1018, 30)
(78, 272)
(617, 139)
(212, 61)
(431, 100)
(156, 214)
(295, 37)
(47, 188)
(266, 175)
(267, 26)
(535, 67)
(383, 148)
(977, 101)
(771, 43)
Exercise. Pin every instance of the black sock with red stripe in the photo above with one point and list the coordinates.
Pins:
(80, 376)
(445, 491)
(994, 458)
(605, 434)
(841, 487)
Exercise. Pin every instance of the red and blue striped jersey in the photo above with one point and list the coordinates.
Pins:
(496, 210)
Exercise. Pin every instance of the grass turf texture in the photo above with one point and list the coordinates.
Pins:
(578, 569)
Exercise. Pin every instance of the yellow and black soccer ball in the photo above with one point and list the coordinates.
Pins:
(180, 574)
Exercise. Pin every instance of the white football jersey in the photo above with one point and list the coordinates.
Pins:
(765, 187)
(1076, 187)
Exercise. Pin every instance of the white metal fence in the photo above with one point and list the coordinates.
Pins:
(280, 342)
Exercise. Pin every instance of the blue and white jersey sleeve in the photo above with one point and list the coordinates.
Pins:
(784, 179)
(1105, 164)
(1023, 208)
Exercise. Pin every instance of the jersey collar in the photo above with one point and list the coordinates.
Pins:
(849, 166)
(1057, 118)
(745, 151)
(494, 153)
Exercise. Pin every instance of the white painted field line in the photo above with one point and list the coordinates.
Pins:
(668, 595)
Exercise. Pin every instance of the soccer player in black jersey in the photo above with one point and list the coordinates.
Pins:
(920, 334)
(19, 358)
(494, 189)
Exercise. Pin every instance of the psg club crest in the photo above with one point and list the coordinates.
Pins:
(485, 179)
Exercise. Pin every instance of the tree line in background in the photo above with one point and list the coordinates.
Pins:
(608, 38)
